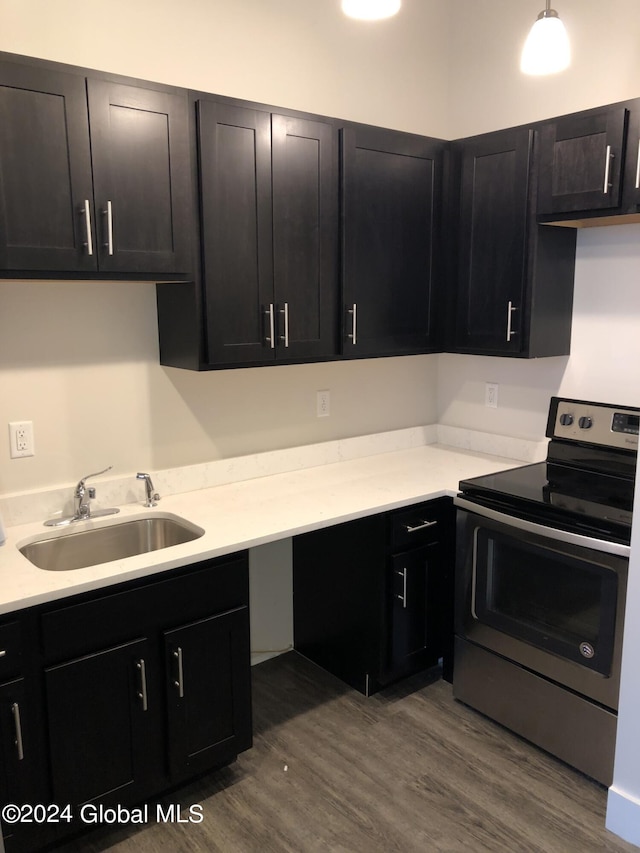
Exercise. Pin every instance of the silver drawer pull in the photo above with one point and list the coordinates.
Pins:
(2, 652)
(15, 710)
(142, 693)
(354, 323)
(180, 681)
(271, 337)
(285, 315)
(109, 214)
(403, 597)
(607, 169)
(87, 216)
(510, 309)
(422, 526)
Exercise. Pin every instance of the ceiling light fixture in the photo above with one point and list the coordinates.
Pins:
(370, 10)
(546, 50)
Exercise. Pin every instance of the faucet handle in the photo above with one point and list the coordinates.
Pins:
(80, 486)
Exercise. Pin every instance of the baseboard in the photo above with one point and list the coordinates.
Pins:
(623, 815)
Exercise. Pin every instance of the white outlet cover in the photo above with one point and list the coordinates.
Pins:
(323, 404)
(21, 439)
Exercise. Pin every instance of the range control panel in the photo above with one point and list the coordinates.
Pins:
(594, 423)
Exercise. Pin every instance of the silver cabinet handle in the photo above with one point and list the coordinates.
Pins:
(109, 214)
(510, 309)
(638, 168)
(403, 597)
(421, 526)
(2, 652)
(15, 710)
(354, 323)
(87, 218)
(607, 169)
(285, 312)
(142, 693)
(179, 683)
(271, 337)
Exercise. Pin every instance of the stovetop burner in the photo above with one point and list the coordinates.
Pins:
(585, 485)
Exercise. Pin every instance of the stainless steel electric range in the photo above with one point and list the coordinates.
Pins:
(541, 572)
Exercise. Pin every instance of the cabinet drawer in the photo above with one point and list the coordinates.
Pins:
(118, 616)
(418, 525)
(10, 649)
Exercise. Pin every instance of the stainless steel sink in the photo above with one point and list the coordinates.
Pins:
(105, 544)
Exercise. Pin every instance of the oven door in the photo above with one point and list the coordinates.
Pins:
(548, 600)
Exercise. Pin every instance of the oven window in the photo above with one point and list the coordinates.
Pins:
(553, 599)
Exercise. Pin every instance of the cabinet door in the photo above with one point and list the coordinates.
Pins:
(390, 203)
(305, 223)
(140, 154)
(235, 186)
(581, 159)
(100, 732)
(208, 692)
(631, 171)
(46, 198)
(21, 758)
(339, 604)
(416, 601)
(492, 242)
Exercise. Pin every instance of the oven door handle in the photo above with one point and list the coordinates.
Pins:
(543, 530)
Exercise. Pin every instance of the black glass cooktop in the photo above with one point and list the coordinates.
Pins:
(568, 498)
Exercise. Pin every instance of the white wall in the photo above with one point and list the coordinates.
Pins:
(303, 54)
(605, 352)
(81, 359)
(487, 37)
(604, 363)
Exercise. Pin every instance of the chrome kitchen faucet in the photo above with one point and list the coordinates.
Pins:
(152, 496)
(82, 496)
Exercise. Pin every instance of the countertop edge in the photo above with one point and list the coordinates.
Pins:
(278, 506)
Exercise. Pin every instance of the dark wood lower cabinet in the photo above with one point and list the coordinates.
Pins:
(206, 685)
(97, 708)
(416, 602)
(22, 767)
(124, 694)
(373, 597)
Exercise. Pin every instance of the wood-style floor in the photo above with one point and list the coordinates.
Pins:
(409, 769)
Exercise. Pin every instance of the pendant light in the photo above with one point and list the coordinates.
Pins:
(370, 10)
(546, 49)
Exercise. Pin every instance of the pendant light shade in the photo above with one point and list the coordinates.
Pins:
(547, 49)
(370, 10)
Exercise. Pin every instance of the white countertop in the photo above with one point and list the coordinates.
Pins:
(246, 514)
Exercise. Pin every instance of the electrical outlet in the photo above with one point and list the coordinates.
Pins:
(21, 439)
(491, 395)
(323, 404)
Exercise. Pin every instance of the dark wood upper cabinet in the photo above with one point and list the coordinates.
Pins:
(514, 292)
(140, 155)
(305, 236)
(98, 186)
(234, 146)
(631, 168)
(581, 161)
(391, 198)
(45, 171)
(269, 228)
